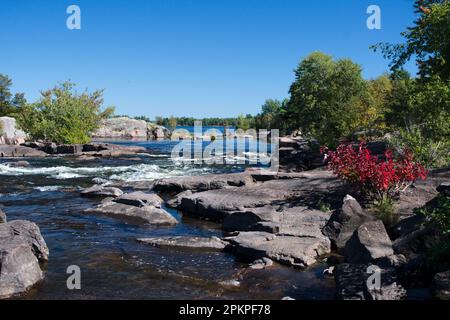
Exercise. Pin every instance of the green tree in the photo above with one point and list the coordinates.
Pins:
(172, 123)
(327, 97)
(64, 116)
(9, 102)
(428, 41)
(243, 123)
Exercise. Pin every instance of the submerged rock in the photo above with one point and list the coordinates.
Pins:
(21, 249)
(147, 214)
(368, 243)
(17, 164)
(201, 243)
(99, 191)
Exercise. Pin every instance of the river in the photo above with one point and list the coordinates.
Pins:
(113, 264)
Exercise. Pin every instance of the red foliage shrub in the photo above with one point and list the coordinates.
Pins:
(378, 177)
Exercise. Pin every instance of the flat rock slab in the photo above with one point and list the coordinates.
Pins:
(11, 151)
(146, 214)
(296, 221)
(202, 183)
(194, 243)
(21, 249)
(98, 191)
(217, 204)
(293, 251)
(140, 199)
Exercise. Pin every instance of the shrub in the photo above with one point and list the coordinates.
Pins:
(385, 211)
(437, 212)
(430, 153)
(63, 116)
(376, 177)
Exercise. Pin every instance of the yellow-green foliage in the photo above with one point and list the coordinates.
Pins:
(63, 116)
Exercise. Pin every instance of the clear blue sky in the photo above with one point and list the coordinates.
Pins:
(187, 57)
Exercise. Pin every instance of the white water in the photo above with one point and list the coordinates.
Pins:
(104, 175)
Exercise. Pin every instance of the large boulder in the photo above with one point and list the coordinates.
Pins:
(353, 282)
(10, 133)
(418, 241)
(21, 249)
(191, 243)
(293, 251)
(157, 132)
(441, 286)
(343, 223)
(122, 128)
(146, 214)
(368, 243)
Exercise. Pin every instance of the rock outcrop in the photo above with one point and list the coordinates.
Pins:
(22, 248)
(441, 286)
(127, 128)
(10, 133)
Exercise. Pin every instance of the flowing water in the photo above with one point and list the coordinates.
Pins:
(113, 264)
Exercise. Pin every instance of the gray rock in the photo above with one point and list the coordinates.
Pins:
(294, 251)
(353, 283)
(368, 243)
(140, 199)
(19, 268)
(11, 151)
(31, 234)
(198, 243)
(2, 217)
(98, 191)
(230, 283)
(444, 189)
(418, 241)
(146, 214)
(344, 222)
(21, 249)
(123, 128)
(10, 133)
(176, 201)
(261, 264)
(202, 183)
(441, 286)
(407, 225)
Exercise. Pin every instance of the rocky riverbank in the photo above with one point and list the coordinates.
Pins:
(82, 151)
(276, 219)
